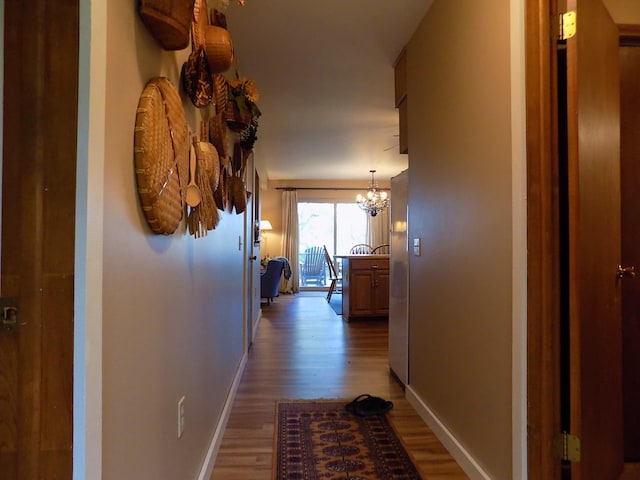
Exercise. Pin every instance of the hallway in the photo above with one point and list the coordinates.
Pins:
(302, 350)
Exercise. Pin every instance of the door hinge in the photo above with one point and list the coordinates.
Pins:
(566, 447)
(566, 25)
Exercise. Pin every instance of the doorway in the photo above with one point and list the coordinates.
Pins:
(581, 282)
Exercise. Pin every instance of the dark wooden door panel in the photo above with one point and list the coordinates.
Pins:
(630, 207)
(37, 255)
(593, 106)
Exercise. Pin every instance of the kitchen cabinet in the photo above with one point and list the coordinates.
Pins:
(365, 286)
(400, 78)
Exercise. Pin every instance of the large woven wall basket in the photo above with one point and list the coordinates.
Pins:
(161, 154)
(169, 21)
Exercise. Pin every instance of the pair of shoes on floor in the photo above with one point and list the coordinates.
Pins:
(366, 405)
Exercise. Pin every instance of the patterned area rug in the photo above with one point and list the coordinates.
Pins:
(320, 440)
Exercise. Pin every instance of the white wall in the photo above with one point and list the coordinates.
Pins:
(460, 197)
(171, 305)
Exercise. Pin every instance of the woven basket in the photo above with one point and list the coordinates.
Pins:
(218, 135)
(237, 194)
(220, 92)
(236, 119)
(161, 150)
(169, 21)
(220, 194)
(219, 48)
(196, 78)
(208, 156)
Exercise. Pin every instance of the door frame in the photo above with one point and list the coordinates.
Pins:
(90, 198)
(543, 238)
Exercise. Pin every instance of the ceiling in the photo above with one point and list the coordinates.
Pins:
(324, 70)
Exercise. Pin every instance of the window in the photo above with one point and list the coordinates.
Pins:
(339, 226)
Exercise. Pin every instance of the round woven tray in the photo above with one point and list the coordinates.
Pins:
(161, 152)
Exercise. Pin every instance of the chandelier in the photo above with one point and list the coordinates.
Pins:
(375, 201)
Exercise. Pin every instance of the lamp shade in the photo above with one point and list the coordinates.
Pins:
(265, 225)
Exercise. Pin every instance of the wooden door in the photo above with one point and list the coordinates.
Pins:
(37, 245)
(630, 207)
(593, 119)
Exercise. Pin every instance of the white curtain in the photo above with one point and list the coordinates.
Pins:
(378, 228)
(290, 239)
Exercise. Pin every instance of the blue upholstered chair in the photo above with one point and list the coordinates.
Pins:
(270, 280)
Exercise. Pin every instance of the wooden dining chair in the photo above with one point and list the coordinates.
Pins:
(334, 277)
(360, 249)
(381, 249)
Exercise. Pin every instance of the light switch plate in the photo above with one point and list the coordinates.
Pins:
(417, 247)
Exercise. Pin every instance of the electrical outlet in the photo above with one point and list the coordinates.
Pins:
(181, 417)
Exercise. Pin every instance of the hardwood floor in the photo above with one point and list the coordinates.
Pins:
(631, 471)
(304, 351)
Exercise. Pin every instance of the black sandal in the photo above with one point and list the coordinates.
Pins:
(366, 405)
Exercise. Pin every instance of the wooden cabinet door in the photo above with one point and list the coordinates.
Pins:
(381, 292)
(361, 292)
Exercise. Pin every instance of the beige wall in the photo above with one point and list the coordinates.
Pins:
(624, 11)
(172, 305)
(460, 206)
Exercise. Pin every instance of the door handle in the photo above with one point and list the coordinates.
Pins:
(253, 257)
(629, 272)
(8, 314)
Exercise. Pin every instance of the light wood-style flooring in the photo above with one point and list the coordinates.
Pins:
(303, 350)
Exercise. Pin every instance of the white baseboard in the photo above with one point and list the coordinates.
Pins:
(254, 329)
(455, 448)
(212, 452)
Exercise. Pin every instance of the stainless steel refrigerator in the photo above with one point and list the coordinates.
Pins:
(399, 279)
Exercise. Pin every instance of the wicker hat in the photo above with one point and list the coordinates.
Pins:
(200, 21)
(218, 47)
(169, 21)
(161, 152)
